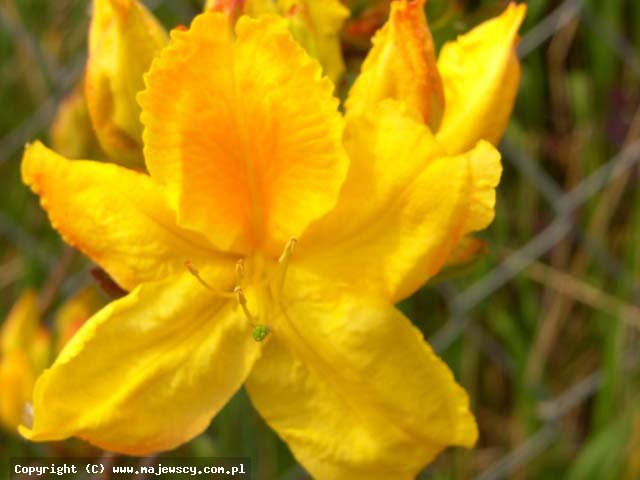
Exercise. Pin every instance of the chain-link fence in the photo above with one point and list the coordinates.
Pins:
(605, 186)
(576, 263)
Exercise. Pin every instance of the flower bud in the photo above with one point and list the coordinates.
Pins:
(73, 314)
(72, 134)
(402, 65)
(315, 24)
(124, 37)
(17, 378)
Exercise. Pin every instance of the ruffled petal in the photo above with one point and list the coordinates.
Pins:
(147, 372)
(116, 216)
(353, 388)
(481, 75)
(485, 170)
(245, 134)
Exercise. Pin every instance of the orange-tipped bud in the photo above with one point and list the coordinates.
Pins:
(402, 66)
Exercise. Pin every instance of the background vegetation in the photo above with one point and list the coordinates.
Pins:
(543, 331)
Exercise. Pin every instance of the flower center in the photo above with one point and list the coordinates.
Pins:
(266, 282)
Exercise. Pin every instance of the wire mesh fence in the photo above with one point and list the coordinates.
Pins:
(610, 179)
(578, 250)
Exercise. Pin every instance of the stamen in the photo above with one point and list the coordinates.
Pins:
(194, 271)
(289, 248)
(260, 332)
(239, 272)
(242, 301)
(284, 261)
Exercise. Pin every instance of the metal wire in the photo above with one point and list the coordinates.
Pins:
(563, 204)
(461, 303)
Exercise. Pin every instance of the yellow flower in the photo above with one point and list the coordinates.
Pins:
(247, 151)
(315, 24)
(26, 345)
(123, 39)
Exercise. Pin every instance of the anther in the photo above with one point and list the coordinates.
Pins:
(284, 261)
(289, 248)
(260, 332)
(194, 271)
(242, 301)
(239, 272)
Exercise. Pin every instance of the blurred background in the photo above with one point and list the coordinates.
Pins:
(543, 331)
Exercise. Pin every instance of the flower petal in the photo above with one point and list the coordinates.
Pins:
(246, 134)
(123, 39)
(117, 217)
(401, 65)
(147, 372)
(481, 74)
(353, 388)
(486, 170)
(402, 210)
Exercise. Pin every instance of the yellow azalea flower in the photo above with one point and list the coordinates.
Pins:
(123, 39)
(315, 24)
(26, 346)
(248, 156)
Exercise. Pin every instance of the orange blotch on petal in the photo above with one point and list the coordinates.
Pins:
(245, 134)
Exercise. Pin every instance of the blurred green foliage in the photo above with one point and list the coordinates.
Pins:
(530, 341)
